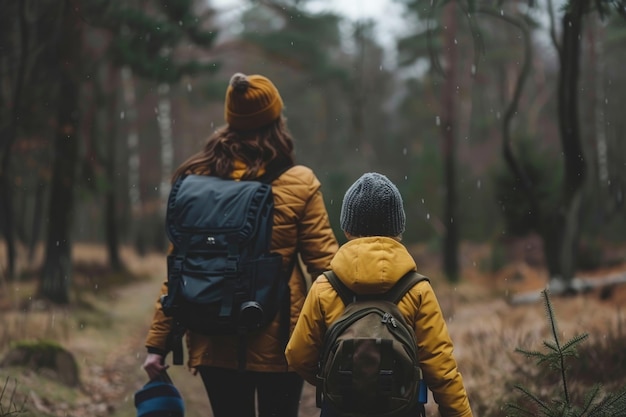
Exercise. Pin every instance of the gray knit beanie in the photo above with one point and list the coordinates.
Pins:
(372, 206)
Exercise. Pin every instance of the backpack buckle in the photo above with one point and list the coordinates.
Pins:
(385, 380)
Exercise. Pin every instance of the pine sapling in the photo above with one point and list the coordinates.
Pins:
(556, 357)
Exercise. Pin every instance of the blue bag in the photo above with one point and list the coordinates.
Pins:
(159, 398)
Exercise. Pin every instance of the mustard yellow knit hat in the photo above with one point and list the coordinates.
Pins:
(252, 101)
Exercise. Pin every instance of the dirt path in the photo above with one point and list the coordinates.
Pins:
(135, 311)
(132, 308)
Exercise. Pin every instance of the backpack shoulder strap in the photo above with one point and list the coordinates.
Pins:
(394, 294)
(346, 295)
(269, 177)
(404, 284)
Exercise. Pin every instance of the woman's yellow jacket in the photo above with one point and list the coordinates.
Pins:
(301, 226)
(373, 265)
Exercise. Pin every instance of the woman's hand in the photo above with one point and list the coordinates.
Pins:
(153, 365)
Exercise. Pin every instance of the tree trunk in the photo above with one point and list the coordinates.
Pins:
(358, 100)
(7, 138)
(599, 160)
(57, 272)
(451, 239)
(569, 129)
(38, 215)
(110, 197)
(6, 212)
(167, 151)
(132, 144)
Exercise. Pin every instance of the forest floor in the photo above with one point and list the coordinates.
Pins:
(105, 327)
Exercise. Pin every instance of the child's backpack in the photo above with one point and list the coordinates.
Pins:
(222, 277)
(368, 364)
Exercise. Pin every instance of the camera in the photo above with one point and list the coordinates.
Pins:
(251, 315)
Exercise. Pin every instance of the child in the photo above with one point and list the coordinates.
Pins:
(373, 220)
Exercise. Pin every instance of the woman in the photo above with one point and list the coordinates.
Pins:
(255, 141)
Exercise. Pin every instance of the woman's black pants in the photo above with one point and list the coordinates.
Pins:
(232, 393)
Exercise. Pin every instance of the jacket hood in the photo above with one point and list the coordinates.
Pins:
(372, 265)
(239, 169)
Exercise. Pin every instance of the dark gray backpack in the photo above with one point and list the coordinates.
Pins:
(368, 364)
(222, 277)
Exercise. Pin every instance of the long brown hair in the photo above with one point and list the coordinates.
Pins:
(269, 147)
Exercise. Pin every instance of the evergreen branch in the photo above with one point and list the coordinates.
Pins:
(533, 397)
(551, 346)
(519, 411)
(575, 341)
(613, 404)
(530, 353)
(590, 398)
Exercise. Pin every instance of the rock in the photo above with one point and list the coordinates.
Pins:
(45, 358)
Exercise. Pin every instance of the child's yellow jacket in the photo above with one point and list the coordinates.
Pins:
(372, 265)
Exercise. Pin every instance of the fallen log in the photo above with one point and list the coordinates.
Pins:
(578, 285)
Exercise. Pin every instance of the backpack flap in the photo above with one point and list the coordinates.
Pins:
(216, 212)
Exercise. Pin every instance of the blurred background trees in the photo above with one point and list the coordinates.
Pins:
(495, 119)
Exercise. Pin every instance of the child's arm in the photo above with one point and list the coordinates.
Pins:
(436, 354)
(304, 345)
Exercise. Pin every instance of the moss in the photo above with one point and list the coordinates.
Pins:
(46, 347)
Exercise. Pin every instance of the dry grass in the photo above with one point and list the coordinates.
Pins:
(106, 325)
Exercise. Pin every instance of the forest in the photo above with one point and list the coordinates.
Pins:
(500, 122)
